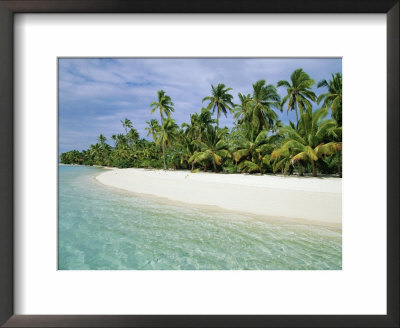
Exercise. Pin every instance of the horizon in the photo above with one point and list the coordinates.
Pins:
(95, 94)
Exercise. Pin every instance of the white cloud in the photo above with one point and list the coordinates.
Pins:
(95, 94)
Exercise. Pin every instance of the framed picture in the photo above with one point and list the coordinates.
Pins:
(208, 189)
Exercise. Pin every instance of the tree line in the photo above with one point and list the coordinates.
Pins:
(258, 142)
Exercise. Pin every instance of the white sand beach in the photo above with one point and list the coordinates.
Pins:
(301, 198)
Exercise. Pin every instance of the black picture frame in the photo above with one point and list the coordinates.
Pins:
(10, 7)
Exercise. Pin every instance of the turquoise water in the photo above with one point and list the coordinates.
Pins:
(102, 228)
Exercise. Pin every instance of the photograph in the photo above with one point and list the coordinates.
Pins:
(200, 163)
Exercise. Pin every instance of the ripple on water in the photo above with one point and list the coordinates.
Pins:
(101, 228)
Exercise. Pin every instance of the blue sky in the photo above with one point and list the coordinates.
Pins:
(96, 94)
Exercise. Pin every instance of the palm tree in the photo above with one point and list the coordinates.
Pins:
(299, 94)
(264, 99)
(182, 151)
(241, 110)
(333, 98)
(220, 100)
(122, 152)
(153, 128)
(96, 153)
(102, 139)
(213, 149)
(71, 157)
(277, 125)
(104, 148)
(101, 151)
(126, 124)
(198, 124)
(257, 142)
(188, 150)
(132, 135)
(335, 146)
(253, 150)
(191, 129)
(166, 135)
(114, 138)
(164, 104)
(306, 142)
(120, 140)
(132, 138)
(281, 161)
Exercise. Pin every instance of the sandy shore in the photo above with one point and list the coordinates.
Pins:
(312, 199)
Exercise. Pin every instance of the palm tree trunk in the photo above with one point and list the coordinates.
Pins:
(314, 169)
(297, 115)
(215, 166)
(163, 150)
(300, 170)
(338, 164)
(192, 166)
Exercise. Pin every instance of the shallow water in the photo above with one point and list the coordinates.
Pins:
(102, 228)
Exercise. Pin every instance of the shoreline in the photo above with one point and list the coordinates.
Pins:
(306, 200)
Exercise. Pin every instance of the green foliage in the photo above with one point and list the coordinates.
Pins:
(333, 98)
(305, 145)
(299, 94)
(164, 104)
(220, 100)
(258, 143)
(213, 150)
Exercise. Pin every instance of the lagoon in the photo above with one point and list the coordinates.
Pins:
(103, 228)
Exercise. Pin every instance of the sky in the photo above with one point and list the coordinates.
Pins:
(95, 94)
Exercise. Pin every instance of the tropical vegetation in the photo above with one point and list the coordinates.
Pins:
(259, 142)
